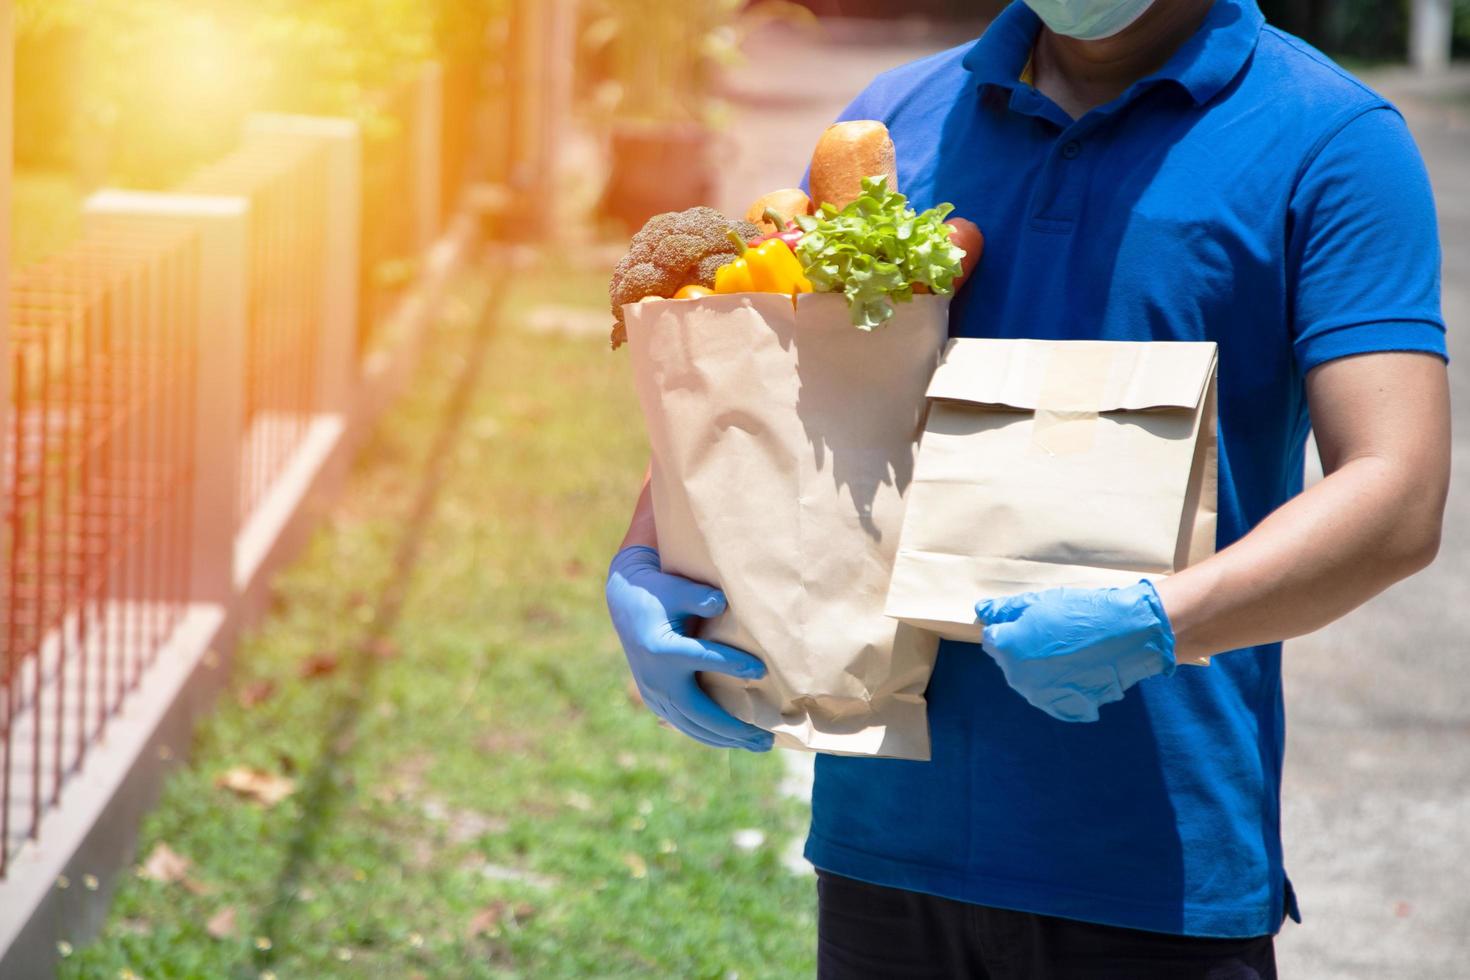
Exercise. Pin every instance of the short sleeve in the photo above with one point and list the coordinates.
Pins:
(1363, 259)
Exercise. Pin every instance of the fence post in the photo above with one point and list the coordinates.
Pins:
(426, 144)
(541, 53)
(337, 373)
(221, 321)
(1430, 34)
(7, 156)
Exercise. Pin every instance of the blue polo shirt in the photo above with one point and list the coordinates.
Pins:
(1251, 193)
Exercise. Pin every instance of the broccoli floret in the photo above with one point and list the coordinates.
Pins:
(679, 252)
(704, 273)
(673, 250)
(746, 230)
(701, 221)
(643, 279)
(660, 224)
(640, 251)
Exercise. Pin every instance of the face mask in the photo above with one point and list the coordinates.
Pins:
(1088, 20)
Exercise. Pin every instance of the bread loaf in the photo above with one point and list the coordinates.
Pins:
(846, 153)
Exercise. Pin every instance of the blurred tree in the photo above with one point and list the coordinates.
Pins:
(1369, 29)
(47, 94)
(657, 58)
(144, 90)
(1374, 29)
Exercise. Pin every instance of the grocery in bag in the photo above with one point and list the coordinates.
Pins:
(782, 444)
(1056, 463)
(781, 362)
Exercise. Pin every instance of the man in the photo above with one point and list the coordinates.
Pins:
(1165, 170)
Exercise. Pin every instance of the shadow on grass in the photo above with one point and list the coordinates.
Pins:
(321, 790)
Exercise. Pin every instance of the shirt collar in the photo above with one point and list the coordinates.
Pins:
(1202, 66)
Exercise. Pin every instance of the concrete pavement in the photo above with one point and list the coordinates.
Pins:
(1377, 796)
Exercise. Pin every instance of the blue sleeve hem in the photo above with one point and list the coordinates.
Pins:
(1323, 344)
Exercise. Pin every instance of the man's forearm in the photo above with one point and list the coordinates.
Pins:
(641, 530)
(1383, 429)
(1313, 560)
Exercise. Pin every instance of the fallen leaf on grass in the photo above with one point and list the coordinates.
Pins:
(221, 925)
(263, 787)
(318, 665)
(637, 867)
(195, 887)
(483, 921)
(254, 693)
(488, 919)
(165, 865)
(539, 615)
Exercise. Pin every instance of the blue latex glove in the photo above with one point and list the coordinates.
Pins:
(650, 611)
(1070, 651)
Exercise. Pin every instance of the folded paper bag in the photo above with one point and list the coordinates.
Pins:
(782, 442)
(1056, 463)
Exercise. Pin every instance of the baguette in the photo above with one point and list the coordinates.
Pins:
(846, 153)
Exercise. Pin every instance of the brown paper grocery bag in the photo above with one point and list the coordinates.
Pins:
(1048, 463)
(783, 442)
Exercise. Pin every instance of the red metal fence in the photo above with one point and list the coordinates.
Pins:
(97, 463)
(123, 390)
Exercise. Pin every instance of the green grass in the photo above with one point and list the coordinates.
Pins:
(493, 728)
(45, 214)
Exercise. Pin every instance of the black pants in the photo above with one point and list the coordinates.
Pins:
(867, 932)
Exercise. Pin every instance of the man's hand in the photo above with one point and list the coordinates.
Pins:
(650, 611)
(1070, 651)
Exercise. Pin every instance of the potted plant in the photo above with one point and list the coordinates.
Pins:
(657, 61)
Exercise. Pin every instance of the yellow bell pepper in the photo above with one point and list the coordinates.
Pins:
(770, 267)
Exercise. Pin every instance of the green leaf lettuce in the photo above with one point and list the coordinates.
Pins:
(875, 250)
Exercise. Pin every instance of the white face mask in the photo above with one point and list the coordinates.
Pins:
(1088, 20)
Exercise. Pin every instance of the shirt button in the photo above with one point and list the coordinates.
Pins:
(1071, 149)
